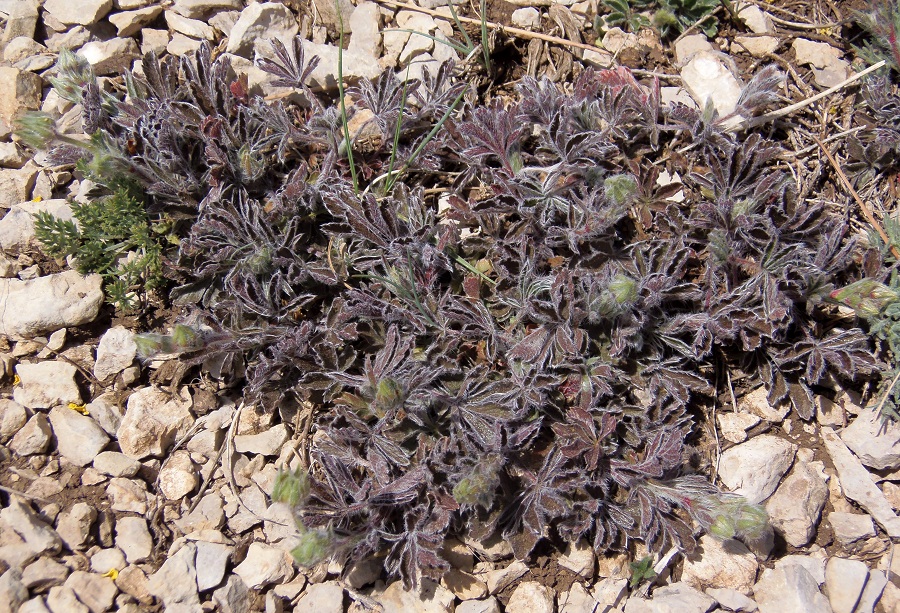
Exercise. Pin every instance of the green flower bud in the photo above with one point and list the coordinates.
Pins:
(291, 488)
(36, 129)
(620, 189)
(314, 546)
(867, 297)
(624, 289)
(388, 395)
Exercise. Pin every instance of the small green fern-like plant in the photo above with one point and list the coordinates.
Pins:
(882, 22)
(675, 16)
(113, 237)
(622, 14)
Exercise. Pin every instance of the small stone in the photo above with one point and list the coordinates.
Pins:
(132, 580)
(208, 515)
(21, 48)
(686, 47)
(192, 28)
(33, 438)
(196, 9)
(577, 600)
(129, 23)
(758, 21)
(431, 597)
(757, 46)
(22, 20)
(716, 564)
(757, 403)
(12, 591)
(815, 566)
(43, 574)
(115, 352)
(74, 526)
(153, 420)
(489, 605)
(175, 583)
(872, 592)
(16, 185)
(133, 538)
(682, 598)
(48, 303)
(178, 476)
(111, 56)
(78, 12)
(97, 592)
(108, 559)
(154, 40)
(528, 18)
(844, 583)
(46, 384)
(365, 23)
(116, 464)
(492, 549)
(875, 443)
(263, 21)
(499, 578)
(858, 485)
(78, 438)
(734, 426)
(458, 554)
(753, 469)
(224, 22)
(790, 589)
(579, 558)
(797, 504)
(127, 495)
(732, 599)
(610, 592)
(267, 443)
(325, 597)
(211, 560)
(182, 45)
(464, 585)
(820, 55)
(364, 572)
(324, 76)
(233, 597)
(62, 599)
(851, 527)
(35, 605)
(40, 537)
(531, 597)
(265, 564)
(12, 417)
(106, 412)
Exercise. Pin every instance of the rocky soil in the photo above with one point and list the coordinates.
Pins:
(145, 487)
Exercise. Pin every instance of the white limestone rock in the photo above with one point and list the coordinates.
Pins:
(78, 12)
(178, 476)
(129, 23)
(325, 597)
(875, 443)
(153, 420)
(193, 28)
(38, 536)
(260, 22)
(175, 583)
(753, 469)
(47, 304)
(12, 417)
(46, 384)
(195, 9)
(734, 426)
(111, 56)
(365, 23)
(133, 538)
(78, 438)
(851, 527)
(531, 597)
(17, 226)
(844, 583)
(682, 598)
(790, 589)
(74, 525)
(264, 565)
(431, 597)
(687, 47)
(528, 18)
(717, 564)
(20, 91)
(115, 352)
(796, 506)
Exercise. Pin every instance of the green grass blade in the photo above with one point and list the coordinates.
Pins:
(340, 80)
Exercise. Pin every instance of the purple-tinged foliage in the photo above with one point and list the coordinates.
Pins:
(520, 356)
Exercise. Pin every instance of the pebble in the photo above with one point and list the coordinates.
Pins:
(153, 420)
(116, 464)
(364, 572)
(43, 574)
(325, 597)
(127, 495)
(263, 21)
(499, 578)
(682, 598)
(35, 605)
(716, 564)
(734, 426)
(268, 443)
(815, 566)
(49, 303)
(489, 605)
(12, 417)
(175, 583)
(111, 56)
(365, 23)
(753, 469)
(17, 226)
(12, 592)
(39, 537)
(106, 412)
(129, 23)
(133, 538)
(178, 476)
(430, 598)
(875, 586)
(132, 580)
(265, 564)
(97, 592)
(686, 47)
(192, 28)
(46, 384)
(858, 485)
(610, 591)
(732, 599)
(528, 18)
(62, 599)
(579, 558)
(78, 438)
(78, 12)
(464, 585)
(22, 19)
(789, 589)
(16, 185)
(851, 527)
(106, 559)
(207, 515)
(211, 560)
(33, 438)
(796, 506)
(74, 525)
(531, 597)
(875, 443)
(576, 600)
(115, 352)
(844, 583)
(233, 597)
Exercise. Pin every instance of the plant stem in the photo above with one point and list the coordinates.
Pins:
(340, 81)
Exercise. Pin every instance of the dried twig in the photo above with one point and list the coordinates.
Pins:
(866, 211)
(755, 121)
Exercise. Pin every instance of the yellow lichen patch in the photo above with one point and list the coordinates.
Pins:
(112, 573)
(79, 407)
